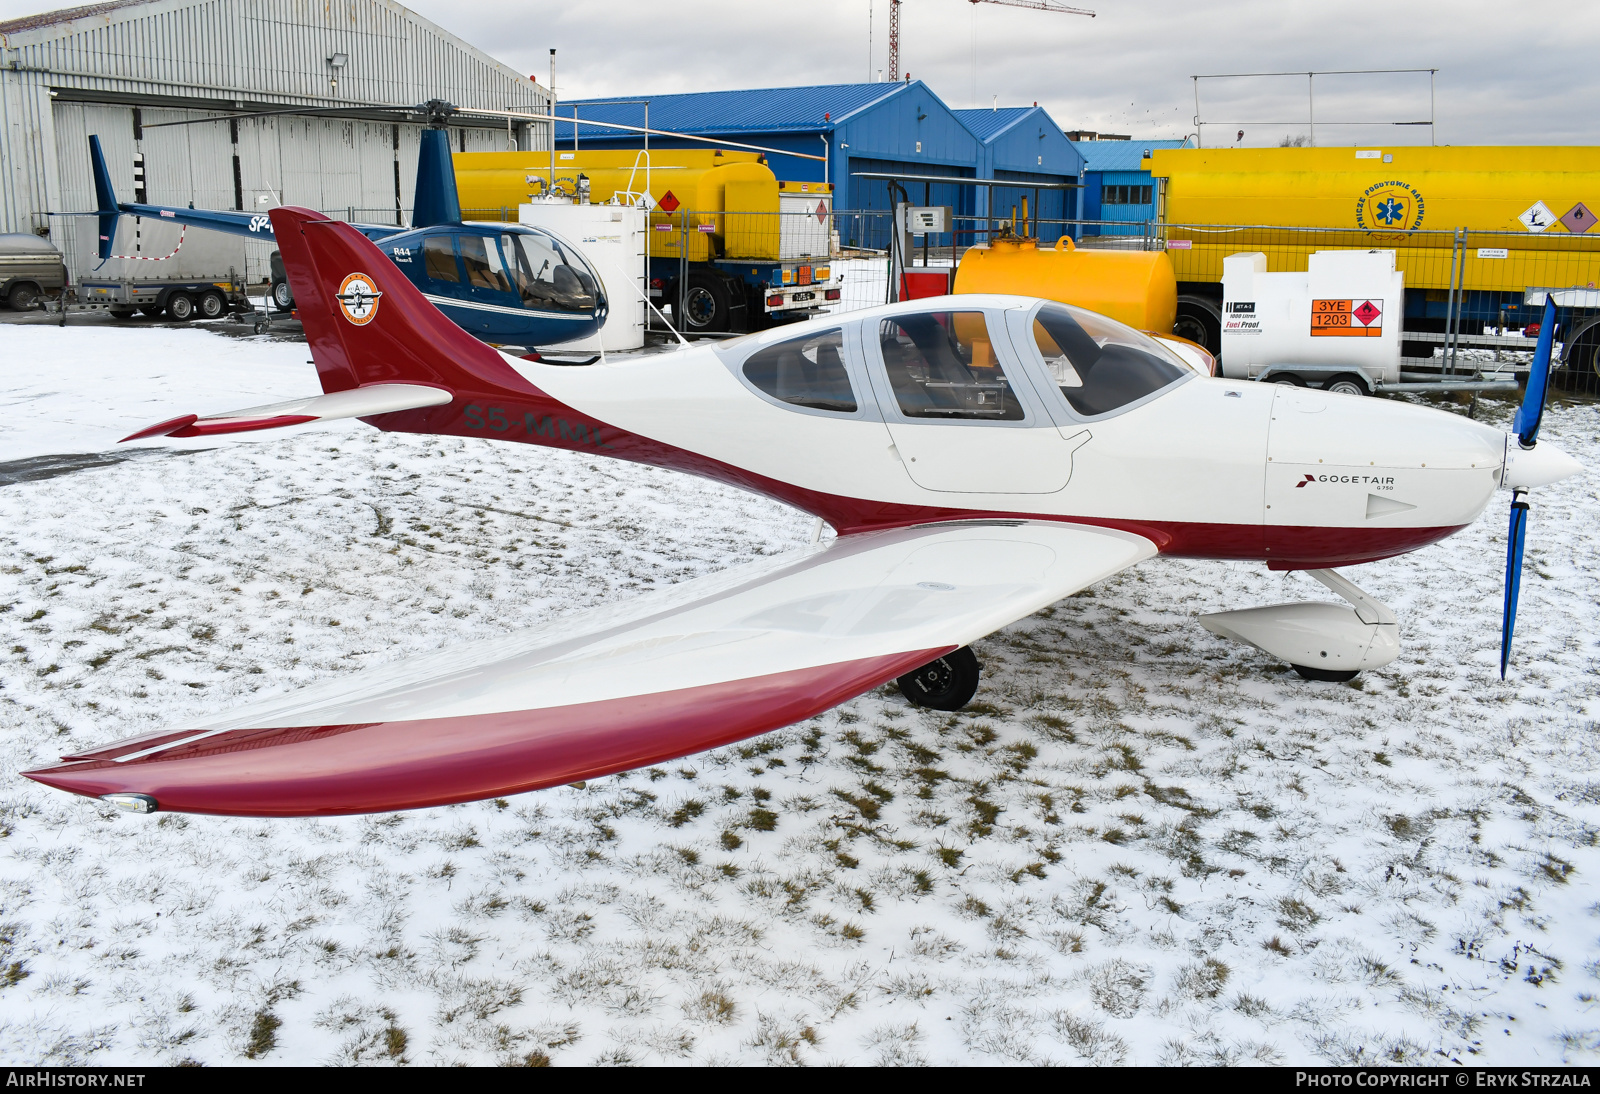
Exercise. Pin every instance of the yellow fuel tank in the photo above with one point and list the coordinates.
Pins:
(1408, 199)
(724, 203)
(1135, 287)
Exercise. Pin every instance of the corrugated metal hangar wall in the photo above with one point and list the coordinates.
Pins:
(119, 69)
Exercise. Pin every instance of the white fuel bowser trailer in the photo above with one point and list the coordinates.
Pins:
(1337, 326)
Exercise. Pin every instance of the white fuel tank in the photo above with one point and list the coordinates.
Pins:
(1344, 310)
(612, 238)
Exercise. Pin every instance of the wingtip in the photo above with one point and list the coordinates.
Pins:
(162, 429)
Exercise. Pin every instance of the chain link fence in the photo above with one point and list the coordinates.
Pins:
(1470, 294)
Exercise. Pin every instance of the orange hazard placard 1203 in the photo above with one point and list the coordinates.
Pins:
(1346, 318)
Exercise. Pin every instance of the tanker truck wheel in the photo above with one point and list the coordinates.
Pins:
(1199, 320)
(1346, 384)
(706, 304)
(23, 296)
(1583, 359)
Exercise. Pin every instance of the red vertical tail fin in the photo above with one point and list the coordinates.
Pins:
(367, 323)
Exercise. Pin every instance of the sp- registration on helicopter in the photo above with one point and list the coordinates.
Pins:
(979, 456)
(508, 284)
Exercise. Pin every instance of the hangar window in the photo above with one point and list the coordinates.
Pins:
(439, 258)
(1125, 195)
(806, 372)
(1100, 364)
(549, 276)
(942, 365)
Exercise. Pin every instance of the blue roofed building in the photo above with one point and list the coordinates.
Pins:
(1117, 184)
(903, 129)
(1023, 144)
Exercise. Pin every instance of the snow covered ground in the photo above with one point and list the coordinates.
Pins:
(1141, 844)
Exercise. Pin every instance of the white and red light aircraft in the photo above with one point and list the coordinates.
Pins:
(980, 457)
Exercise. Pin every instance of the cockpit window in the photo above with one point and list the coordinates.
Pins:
(481, 258)
(1098, 363)
(548, 275)
(439, 258)
(942, 365)
(806, 371)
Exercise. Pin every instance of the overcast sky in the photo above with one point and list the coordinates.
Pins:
(1520, 73)
(1508, 73)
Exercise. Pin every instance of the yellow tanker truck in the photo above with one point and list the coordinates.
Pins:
(729, 244)
(1526, 213)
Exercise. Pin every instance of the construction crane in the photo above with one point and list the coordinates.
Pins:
(894, 23)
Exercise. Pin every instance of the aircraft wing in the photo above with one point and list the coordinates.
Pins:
(697, 666)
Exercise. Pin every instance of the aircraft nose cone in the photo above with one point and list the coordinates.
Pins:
(1537, 466)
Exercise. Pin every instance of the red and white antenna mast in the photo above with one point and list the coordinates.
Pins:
(894, 41)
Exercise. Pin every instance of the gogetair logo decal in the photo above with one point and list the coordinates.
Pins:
(1390, 206)
(1380, 481)
(358, 298)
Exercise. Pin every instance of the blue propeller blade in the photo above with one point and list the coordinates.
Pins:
(1526, 425)
(1514, 541)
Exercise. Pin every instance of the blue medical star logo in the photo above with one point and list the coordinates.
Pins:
(1391, 211)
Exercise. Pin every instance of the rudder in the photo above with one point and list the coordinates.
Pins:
(367, 323)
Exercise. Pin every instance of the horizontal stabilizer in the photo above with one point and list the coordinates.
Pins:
(361, 402)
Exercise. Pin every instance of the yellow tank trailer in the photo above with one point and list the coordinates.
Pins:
(747, 258)
(1528, 212)
(1136, 287)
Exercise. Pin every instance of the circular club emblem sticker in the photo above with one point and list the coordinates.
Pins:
(1390, 205)
(358, 298)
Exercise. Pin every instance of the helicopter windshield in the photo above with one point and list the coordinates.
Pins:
(549, 275)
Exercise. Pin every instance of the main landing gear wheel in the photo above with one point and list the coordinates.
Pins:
(948, 683)
(1327, 676)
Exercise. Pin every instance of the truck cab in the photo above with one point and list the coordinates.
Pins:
(30, 267)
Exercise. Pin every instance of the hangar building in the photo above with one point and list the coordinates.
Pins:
(1023, 144)
(900, 127)
(119, 69)
(1117, 184)
(893, 128)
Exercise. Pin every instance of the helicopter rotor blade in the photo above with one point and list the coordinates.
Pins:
(309, 111)
(719, 142)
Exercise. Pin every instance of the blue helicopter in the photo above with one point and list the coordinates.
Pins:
(507, 284)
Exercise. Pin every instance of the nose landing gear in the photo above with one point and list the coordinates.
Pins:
(1320, 641)
(947, 683)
